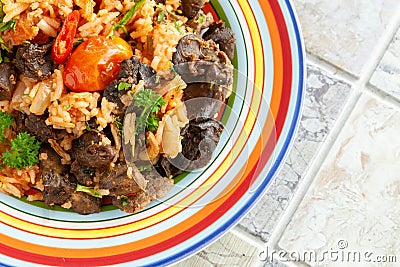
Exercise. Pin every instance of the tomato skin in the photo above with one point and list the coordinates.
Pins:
(95, 63)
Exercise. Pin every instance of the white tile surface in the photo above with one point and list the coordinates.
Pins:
(344, 32)
(230, 250)
(324, 99)
(356, 194)
(387, 75)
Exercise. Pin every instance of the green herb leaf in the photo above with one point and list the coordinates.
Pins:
(212, 84)
(161, 16)
(177, 27)
(151, 104)
(126, 18)
(89, 190)
(4, 26)
(24, 152)
(78, 42)
(123, 200)
(122, 86)
(4, 46)
(6, 120)
(67, 107)
(201, 18)
(118, 124)
(143, 168)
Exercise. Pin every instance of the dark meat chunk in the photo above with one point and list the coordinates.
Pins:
(132, 203)
(200, 22)
(83, 203)
(132, 72)
(83, 174)
(135, 70)
(222, 36)
(35, 61)
(35, 125)
(118, 182)
(157, 186)
(200, 138)
(190, 8)
(57, 188)
(207, 72)
(89, 150)
(7, 81)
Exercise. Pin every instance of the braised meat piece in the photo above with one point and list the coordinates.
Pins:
(132, 203)
(83, 203)
(132, 72)
(7, 81)
(200, 138)
(190, 8)
(118, 182)
(83, 174)
(35, 125)
(57, 188)
(34, 61)
(91, 149)
(222, 36)
(207, 72)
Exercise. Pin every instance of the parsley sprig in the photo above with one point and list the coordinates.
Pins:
(6, 120)
(151, 104)
(4, 26)
(24, 152)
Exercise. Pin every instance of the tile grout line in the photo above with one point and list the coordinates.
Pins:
(360, 86)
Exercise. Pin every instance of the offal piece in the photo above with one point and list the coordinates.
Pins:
(58, 187)
(7, 81)
(93, 149)
(190, 8)
(35, 125)
(224, 37)
(34, 61)
(200, 138)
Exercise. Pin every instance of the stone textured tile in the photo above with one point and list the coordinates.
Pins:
(353, 204)
(324, 99)
(344, 32)
(229, 250)
(387, 75)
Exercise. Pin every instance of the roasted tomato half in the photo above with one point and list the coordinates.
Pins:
(95, 63)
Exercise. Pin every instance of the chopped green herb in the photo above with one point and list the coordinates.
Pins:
(151, 104)
(157, 79)
(143, 168)
(161, 16)
(177, 27)
(118, 124)
(122, 86)
(212, 85)
(78, 42)
(126, 18)
(9, 25)
(4, 46)
(6, 120)
(171, 176)
(92, 142)
(67, 107)
(89, 190)
(26, 42)
(88, 127)
(2, 13)
(123, 200)
(201, 18)
(24, 152)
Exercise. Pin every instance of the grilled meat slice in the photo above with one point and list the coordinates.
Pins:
(190, 8)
